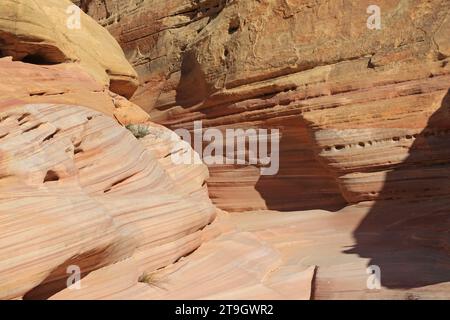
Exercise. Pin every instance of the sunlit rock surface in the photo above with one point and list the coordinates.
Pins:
(48, 32)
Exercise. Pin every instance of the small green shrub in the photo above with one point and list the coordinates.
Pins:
(138, 130)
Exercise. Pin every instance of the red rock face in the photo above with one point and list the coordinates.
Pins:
(349, 101)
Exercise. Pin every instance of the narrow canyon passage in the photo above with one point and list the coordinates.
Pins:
(94, 99)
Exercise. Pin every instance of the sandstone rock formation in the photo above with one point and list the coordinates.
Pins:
(300, 255)
(363, 115)
(78, 189)
(64, 84)
(209, 273)
(364, 122)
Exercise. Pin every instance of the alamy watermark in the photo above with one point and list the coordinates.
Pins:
(74, 280)
(74, 20)
(259, 147)
(374, 279)
(374, 20)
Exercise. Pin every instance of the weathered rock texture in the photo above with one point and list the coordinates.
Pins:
(76, 188)
(350, 101)
(237, 265)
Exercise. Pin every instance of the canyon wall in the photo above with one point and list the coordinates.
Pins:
(363, 113)
(350, 101)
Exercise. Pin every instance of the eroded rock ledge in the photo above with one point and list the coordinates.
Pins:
(39, 32)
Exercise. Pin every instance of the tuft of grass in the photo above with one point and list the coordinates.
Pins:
(150, 279)
(138, 130)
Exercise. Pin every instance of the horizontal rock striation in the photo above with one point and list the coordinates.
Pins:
(350, 101)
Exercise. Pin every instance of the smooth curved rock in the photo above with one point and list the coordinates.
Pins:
(46, 32)
(300, 255)
(235, 265)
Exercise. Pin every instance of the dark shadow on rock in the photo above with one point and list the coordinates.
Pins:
(192, 88)
(301, 183)
(57, 280)
(408, 234)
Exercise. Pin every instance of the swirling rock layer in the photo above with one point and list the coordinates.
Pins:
(78, 189)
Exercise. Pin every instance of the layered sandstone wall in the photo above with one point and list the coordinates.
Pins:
(350, 101)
